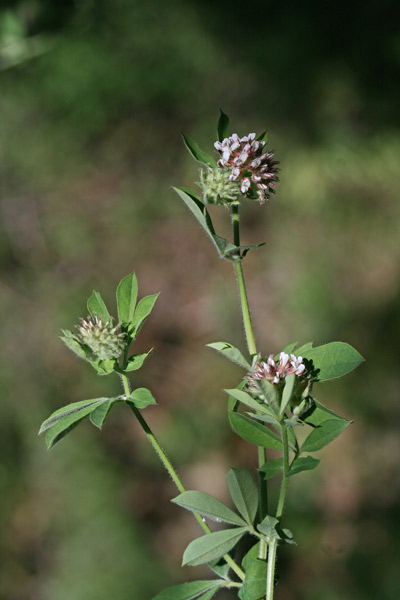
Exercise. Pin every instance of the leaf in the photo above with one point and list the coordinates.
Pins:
(255, 582)
(208, 506)
(223, 125)
(68, 410)
(99, 415)
(303, 348)
(103, 367)
(208, 595)
(248, 400)
(318, 414)
(96, 306)
(324, 434)
(141, 397)
(231, 353)
(73, 344)
(143, 309)
(136, 361)
(333, 360)
(268, 528)
(303, 463)
(254, 432)
(187, 591)
(220, 567)
(68, 422)
(266, 419)
(270, 393)
(272, 467)
(197, 152)
(211, 546)
(287, 391)
(287, 349)
(244, 493)
(263, 136)
(127, 291)
(252, 553)
(233, 403)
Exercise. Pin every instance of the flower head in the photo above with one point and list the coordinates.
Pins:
(217, 186)
(276, 371)
(248, 164)
(105, 341)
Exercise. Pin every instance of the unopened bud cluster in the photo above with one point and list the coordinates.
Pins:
(276, 371)
(105, 340)
(248, 164)
(218, 188)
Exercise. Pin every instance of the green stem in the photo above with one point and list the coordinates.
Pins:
(252, 348)
(279, 512)
(174, 475)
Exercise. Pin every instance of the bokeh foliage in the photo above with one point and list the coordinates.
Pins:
(93, 96)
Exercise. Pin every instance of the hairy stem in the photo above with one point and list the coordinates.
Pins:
(252, 348)
(279, 512)
(172, 472)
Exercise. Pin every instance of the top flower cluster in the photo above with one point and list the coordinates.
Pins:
(248, 164)
(274, 371)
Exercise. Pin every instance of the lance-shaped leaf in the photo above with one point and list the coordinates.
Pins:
(255, 582)
(141, 397)
(223, 125)
(73, 344)
(67, 418)
(187, 591)
(100, 413)
(231, 353)
(197, 152)
(211, 546)
(248, 400)
(244, 493)
(332, 360)
(263, 137)
(211, 593)
(318, 414)
(303, 463)
(136, 361)
(287, 391)
(324, 434)
(272, 467)
(96, 306)
(208, 506)
(127, 291)
(143, 309)
(253, 432)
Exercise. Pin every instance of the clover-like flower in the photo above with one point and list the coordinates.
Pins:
(248, 164)
(218, 187)
(276, 371)
(105, 340)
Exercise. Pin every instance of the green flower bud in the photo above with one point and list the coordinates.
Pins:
(104, 340)
(218, 188)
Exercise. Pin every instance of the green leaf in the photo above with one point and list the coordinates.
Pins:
(127, 291)
(288, 349)
(324, 434)
(68, 410)
(99, 415)
(208, 595)
(303, 463)
(197, 152)
(287, 391)
(332, 360)
(318, 414)
(103, 367)
(255, 582)
(208, 506)
(70, 419)
(268, 527)
(303, 348)
(96, 306)
(263, 137)
(245, 249)
(270, 393)
(136, 361)
(73, 344)
(244, 493)
(141, 397)
(253, 432)
(143, 309)
(231, 353)
(248, 400)
(268, 418)
(223, 125)
(272, 467)
(211, 546)
(187, 591)
(252, 553)
(220, 567)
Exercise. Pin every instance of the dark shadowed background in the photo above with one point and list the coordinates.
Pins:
(93, 95)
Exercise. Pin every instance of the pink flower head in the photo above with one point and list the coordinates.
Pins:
(276, 371)
(248, 164)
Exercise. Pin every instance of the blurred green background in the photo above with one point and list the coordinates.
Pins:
(93, 97)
